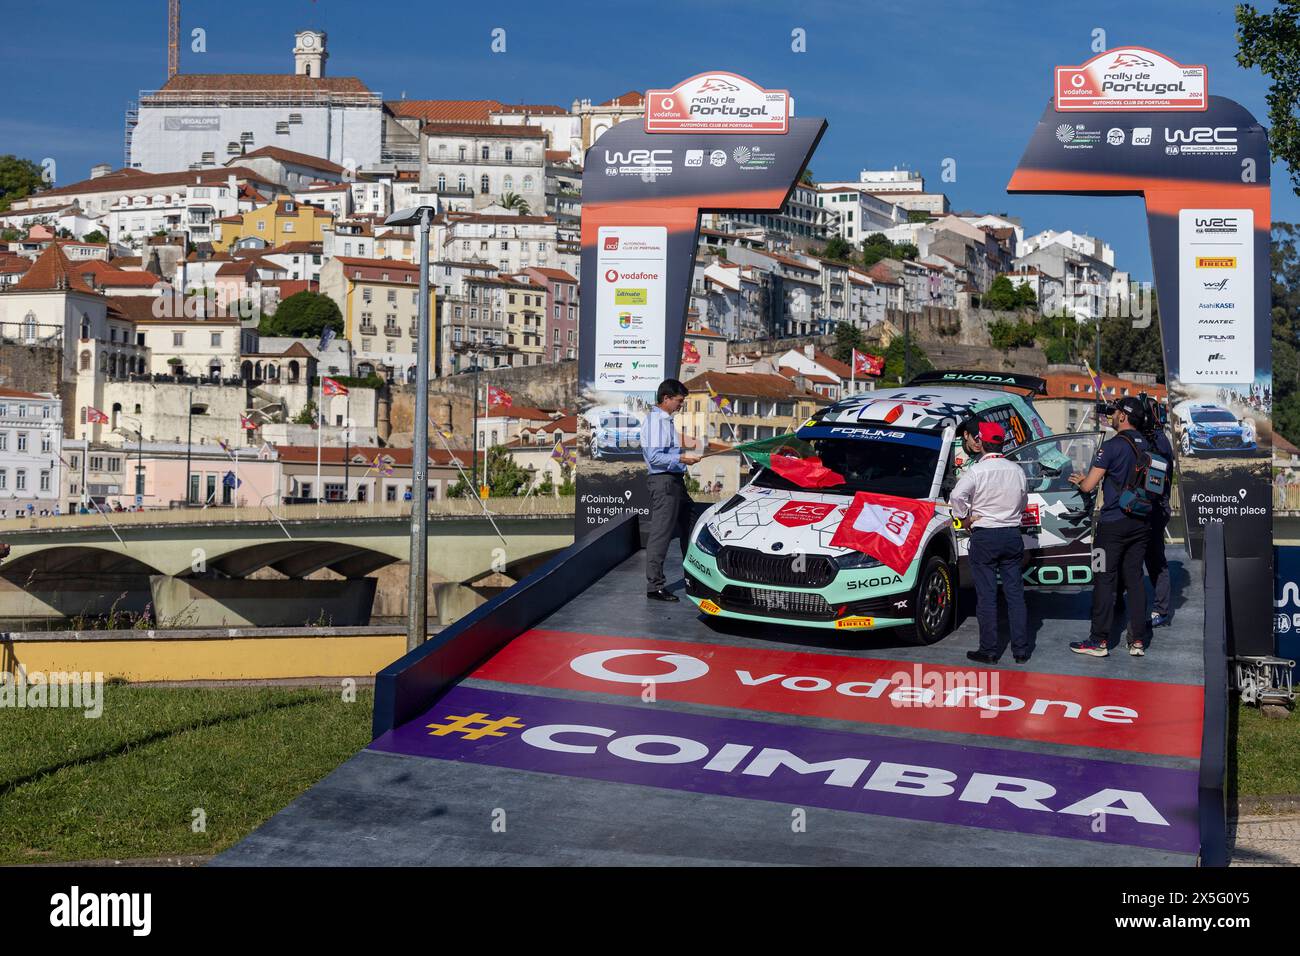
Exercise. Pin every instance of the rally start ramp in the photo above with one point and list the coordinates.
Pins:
(612, 730)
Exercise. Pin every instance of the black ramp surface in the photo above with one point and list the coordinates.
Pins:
(490, 797)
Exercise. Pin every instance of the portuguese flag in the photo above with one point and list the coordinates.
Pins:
(792, 458)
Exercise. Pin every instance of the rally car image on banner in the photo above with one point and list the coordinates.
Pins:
(1206, 429)
(845, 524)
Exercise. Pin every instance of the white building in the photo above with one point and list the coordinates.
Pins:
(1076, 241)
(487, 161)
(200, 120)
(31, 440)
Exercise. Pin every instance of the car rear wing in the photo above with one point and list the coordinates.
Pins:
(1031, 383)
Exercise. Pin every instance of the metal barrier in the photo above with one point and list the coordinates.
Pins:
(408, 686)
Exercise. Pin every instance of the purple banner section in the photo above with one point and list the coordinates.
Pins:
(1009, 790)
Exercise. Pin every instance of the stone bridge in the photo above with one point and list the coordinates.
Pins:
(239, 566)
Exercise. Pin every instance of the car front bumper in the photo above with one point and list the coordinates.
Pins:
(835, 607)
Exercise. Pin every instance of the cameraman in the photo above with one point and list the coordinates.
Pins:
(1121, 538)
(1156, 563)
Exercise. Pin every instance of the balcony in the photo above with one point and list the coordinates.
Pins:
(368, 330)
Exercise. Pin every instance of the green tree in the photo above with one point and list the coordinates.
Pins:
(516, 202)
(838, 248)
(308, 414)
(1025, 298)
(874, 248)
(1271, 41)
(95, 236)
(1001, 296)
(505, 477)
(1127, 348)
(1010, 335)
(893, 371)
(1285, 256)
(847, 338)
(567, 487)
(917, 215)
(19, 178)
(303, 315)
(807, 178)
(546, 486)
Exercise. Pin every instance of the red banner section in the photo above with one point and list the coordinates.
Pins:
(884, 526)
(1138, 716)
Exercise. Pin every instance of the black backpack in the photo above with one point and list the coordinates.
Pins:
(1145, 487)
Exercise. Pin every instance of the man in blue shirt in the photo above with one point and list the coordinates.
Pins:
(670, 505)
(1121, 538)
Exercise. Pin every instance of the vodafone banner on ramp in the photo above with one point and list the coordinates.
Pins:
(884, 526)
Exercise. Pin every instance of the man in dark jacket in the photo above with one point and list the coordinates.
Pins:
(1121, 538)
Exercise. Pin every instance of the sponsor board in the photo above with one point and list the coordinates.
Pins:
(649, 163)
(717, 102)
(188, 124)
(630, 307)
(997, 789)
(1131, 78)
(1216, 295)
(1138, 716)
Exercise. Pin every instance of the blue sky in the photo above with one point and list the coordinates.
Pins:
(903, 85)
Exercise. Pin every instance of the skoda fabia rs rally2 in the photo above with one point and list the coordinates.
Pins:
(878, 468)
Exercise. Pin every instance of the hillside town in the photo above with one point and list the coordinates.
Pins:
(222, 317)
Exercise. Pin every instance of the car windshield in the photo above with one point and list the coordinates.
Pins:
(890, 461)
(1218, 415)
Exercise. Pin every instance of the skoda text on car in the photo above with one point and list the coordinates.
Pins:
(1206, 429)
(765, 553)
(614, 431)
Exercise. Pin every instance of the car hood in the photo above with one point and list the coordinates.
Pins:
(784, 522)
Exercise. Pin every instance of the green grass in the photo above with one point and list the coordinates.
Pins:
(126, 784)
(1268, 754)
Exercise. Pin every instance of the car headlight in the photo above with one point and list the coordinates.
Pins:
(707, 543)
(855, 560)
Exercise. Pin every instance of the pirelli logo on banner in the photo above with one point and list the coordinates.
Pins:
(1216, 262)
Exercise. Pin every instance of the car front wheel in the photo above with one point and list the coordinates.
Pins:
(934, 603)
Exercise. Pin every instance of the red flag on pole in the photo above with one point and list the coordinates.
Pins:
(690, 354)
(884, 526)
(864, 363)
(247, 423)
(95, 417)
(330, 387)
(498, 396)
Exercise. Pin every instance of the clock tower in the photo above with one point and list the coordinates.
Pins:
(309, 54)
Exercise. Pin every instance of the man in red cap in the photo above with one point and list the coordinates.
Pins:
(990, 499)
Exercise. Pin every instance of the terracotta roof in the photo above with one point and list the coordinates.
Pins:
(557, 156)
(1058, 386)
(557, 275)
(749, 384)
(120, 278)
(476, 129)
(705, 333)
(630, 98)
(258, 82)
(334, 454)
(290, 287)
(396, 264)
(298, 159)
(15, 393)
(126, 179)
(51, 270)
(569, 423)
(518, 411)
(10, 264)
(300, 246)
(541, 109)
(832, 364)
(133, 308)
(790, 372)
(448, 111)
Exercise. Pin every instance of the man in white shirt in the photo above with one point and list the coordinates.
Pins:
(990, 499)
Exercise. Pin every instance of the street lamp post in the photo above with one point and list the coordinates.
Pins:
(417, 586)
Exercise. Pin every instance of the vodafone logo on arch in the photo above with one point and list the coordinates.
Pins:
(613, 275)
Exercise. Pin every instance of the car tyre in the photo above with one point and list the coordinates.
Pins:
(934, 602)
(1187, 445)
